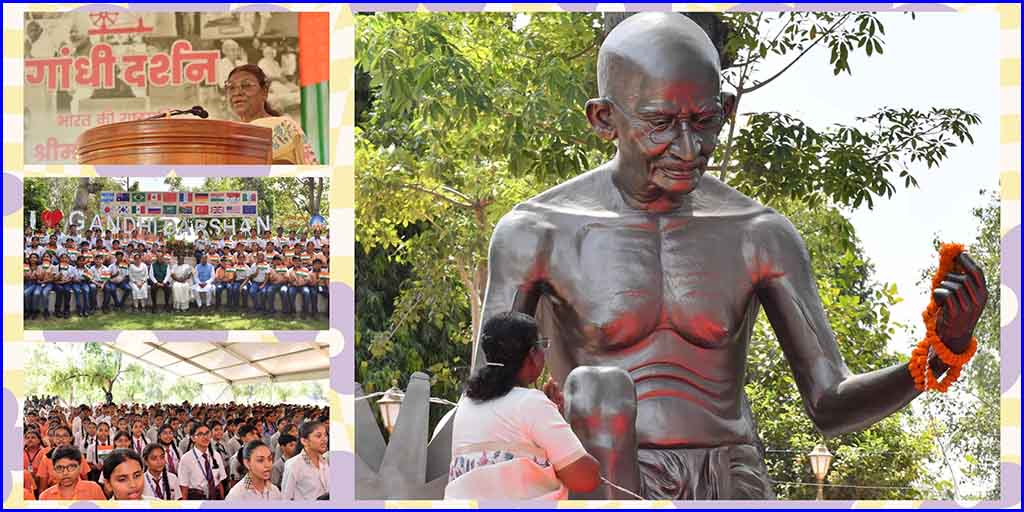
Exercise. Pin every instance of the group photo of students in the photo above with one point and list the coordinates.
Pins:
(180, 451)
(219, 277)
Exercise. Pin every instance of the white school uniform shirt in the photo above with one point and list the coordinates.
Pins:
(200, 244)
(116, 276)
(139, 444)
(149, 490)
(303, 482)
(244, 491)
(191, 473)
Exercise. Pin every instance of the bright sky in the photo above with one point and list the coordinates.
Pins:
(937, 60)
(158, 185)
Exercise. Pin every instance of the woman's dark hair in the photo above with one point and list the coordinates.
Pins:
(251, 447)
(506, 340)
(305, 430)
(67, 452)
(261, 77)
(116, 458)
(164, 480)
(119, 435)
(285, 439)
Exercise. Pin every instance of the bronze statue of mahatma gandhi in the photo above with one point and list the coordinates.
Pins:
(648, 275)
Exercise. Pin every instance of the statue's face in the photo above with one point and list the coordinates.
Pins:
(668, 126)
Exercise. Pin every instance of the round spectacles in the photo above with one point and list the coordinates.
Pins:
(663, 129)
(66, 469)
(244, 85)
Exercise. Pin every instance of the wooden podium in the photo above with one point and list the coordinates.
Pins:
(171, 141)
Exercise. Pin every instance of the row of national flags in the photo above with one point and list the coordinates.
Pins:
(197, 204)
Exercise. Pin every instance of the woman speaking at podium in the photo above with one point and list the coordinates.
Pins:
(247, 88)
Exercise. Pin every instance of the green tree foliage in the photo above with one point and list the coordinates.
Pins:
(967, 417)
(774, 154)
(893, 452)
(289, 202)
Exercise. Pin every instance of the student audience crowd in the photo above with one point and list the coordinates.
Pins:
(175, 452)
(133, 270)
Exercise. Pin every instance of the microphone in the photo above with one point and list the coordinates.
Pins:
(197, 111)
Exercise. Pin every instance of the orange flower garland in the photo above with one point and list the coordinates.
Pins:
(918, 366)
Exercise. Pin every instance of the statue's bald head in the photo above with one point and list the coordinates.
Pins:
(659, 46)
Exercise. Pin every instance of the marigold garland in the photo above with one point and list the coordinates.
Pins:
(919, 369)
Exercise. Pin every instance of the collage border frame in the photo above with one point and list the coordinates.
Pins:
(341, 334)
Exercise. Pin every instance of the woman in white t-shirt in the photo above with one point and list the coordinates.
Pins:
(510, 441)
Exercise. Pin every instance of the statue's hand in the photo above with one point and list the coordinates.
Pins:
(961, 298)
(554, 393)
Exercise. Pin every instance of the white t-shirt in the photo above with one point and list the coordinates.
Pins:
(524, 417)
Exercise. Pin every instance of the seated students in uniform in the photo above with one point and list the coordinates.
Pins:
(45, 280)
(159, 482)
(123, 475)
(307, 475)
(165, 438)
(301, 283)
(36, 455)
(320, 288)
(31, 285)
(202, 469)
(61, 436)
(118, 270)
(62, 284)
(66, 466)
(138, 438)
(256, 484)
(98, 449)
(242, 274)
(246, 434)
(277, 279)
(89, 277)
(286, 445)
(224, 279)
(259, 271)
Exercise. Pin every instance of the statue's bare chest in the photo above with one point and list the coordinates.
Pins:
(627, 277)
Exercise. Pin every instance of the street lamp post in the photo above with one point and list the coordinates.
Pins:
(390, 404)
(821, 458)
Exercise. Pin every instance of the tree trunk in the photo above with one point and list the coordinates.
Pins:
(310, 194)
(83, 194)
(319, 196)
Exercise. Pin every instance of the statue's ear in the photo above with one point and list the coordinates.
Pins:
(599, 115)
(729, 104)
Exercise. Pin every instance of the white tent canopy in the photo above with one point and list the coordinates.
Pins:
(233, 363)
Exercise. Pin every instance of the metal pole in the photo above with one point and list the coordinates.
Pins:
(821, 489)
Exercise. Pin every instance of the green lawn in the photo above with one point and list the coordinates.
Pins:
(190, 320)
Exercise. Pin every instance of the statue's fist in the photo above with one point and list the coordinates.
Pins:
(961, 298)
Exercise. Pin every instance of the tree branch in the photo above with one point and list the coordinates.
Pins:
(436, 194)
(798, 57)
